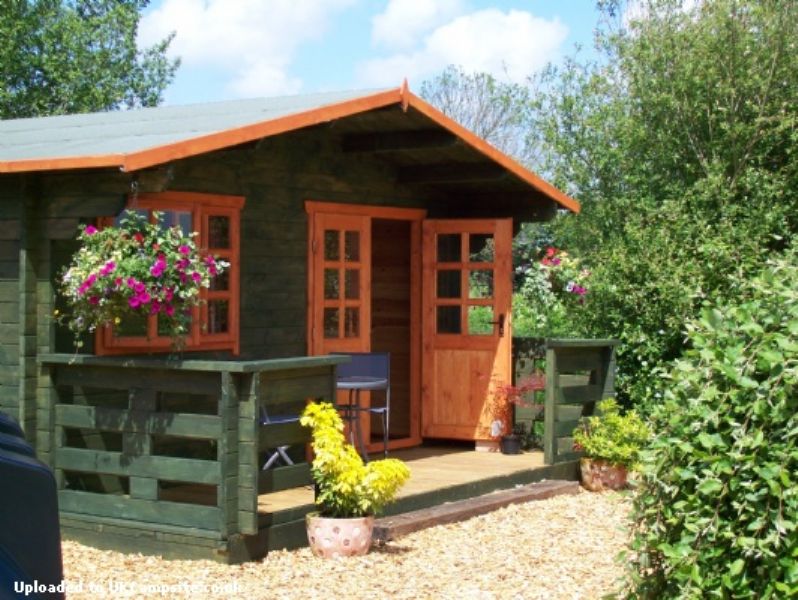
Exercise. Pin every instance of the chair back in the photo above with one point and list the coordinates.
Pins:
(366, 364)
(9, 425)
(30, 537)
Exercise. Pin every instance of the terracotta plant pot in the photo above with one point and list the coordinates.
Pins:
(334, 538)
(598, 475)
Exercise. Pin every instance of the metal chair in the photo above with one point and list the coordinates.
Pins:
(367, 371)
(279, 452)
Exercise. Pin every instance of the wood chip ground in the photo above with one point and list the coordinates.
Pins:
(561, 548)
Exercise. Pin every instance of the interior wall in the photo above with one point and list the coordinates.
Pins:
(390, 314)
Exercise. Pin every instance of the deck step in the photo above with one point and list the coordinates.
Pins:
(392, 527)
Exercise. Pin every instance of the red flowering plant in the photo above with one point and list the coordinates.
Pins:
(138, 268)
(506, 396)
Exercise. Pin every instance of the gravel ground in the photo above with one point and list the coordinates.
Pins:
(561, 548)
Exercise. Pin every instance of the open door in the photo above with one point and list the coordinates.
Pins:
(466, 339)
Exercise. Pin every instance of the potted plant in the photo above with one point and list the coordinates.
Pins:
(610, 443)
(136, 269)
(514, 439)
(348, 492)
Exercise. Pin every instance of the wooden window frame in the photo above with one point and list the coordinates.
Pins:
(202, 207)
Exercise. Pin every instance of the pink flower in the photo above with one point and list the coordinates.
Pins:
(168, 294)
(196, 277)
(94, 300)
(118, 282)
(108, 268)
(139, 288)
(155, 307)
(169, 310)
(84, 287)
(131, 282)
(138, 237)
(555, 261)
(184, 249)
(144, 298)
(182, 264)
(90, 230)
(133, 301)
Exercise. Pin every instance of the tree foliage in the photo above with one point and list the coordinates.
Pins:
(72, 56)
(717, 516)
(496, 111)
(680, 141)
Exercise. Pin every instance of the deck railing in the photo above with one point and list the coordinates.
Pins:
(172, 447)
(579, 373)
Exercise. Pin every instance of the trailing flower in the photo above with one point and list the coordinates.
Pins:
(134, 270)
(565, 273)
(346, 487)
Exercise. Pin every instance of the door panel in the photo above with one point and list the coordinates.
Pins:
(467, 288)
(341, 284)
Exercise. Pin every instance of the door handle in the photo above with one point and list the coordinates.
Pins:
(500, 323)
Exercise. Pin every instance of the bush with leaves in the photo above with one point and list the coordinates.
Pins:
(609, 435)
(716, 515)
(345, 486)
(679, 138)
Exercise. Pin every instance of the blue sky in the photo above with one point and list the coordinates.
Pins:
(250, 48)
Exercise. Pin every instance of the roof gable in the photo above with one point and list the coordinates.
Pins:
(137, 139)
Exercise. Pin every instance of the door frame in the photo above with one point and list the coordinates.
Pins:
(415, 217)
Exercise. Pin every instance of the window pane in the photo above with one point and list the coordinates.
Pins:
(352, 246)
(332, 289)
(220, 283)
(218, 316)
(351, 322)
(479, 320)
(180, 219)
(331, 245)
(331, 323)
(480, 283)
(449, 283)
(449, 247)
(352, 284)
(135, 325)
(480, 247)
(448, 319)
(219, 232)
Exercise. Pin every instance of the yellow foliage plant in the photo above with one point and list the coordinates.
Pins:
(346, 487)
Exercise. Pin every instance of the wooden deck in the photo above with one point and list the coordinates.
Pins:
(432, 469)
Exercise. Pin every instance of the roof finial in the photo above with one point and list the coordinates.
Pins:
(404, 92)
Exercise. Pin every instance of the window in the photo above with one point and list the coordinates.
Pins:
(215, 324)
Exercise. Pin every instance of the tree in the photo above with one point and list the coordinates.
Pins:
(72, 56)
(497, 112)
(680, 142)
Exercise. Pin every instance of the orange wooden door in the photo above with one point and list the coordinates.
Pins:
(467, 289)
(340, 290)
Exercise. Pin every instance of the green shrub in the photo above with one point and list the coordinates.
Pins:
(716, 512)
(611, 436)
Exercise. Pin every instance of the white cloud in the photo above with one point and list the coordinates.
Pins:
(511, 45)
(403, 22)
(252, 40)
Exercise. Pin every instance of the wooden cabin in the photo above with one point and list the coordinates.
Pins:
(353, 222)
